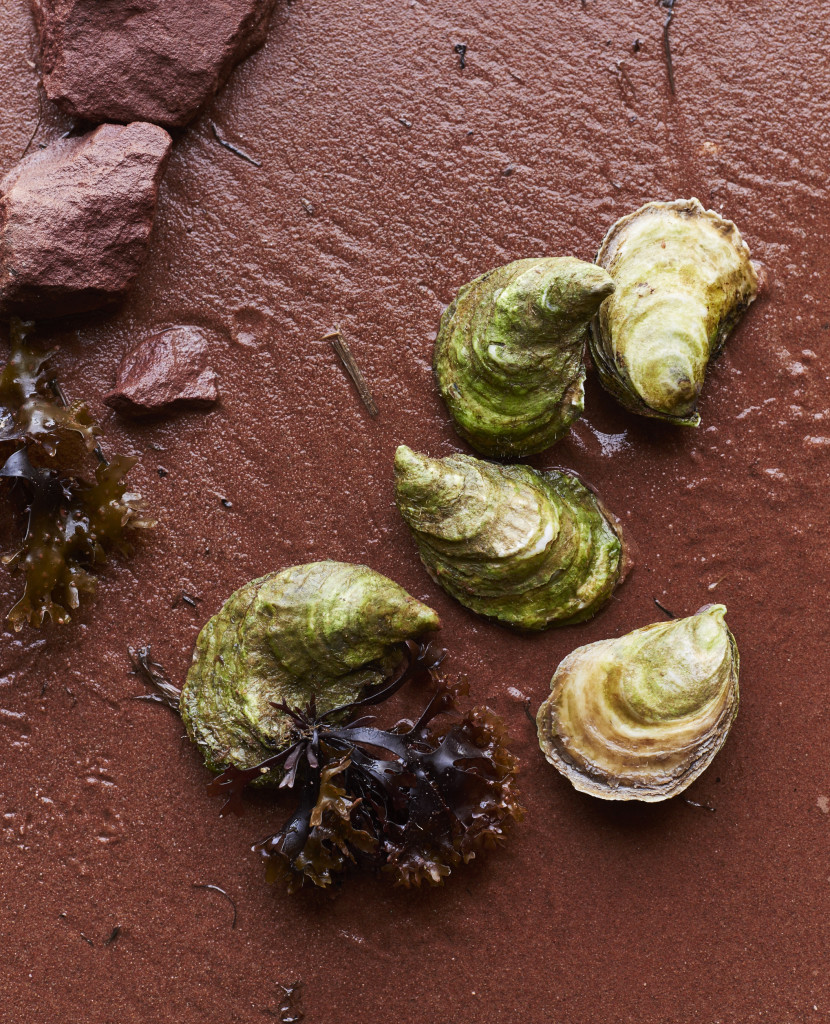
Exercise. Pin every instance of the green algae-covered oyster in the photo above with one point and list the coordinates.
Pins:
(529, 549)
(641, 716)
(508, 356)
(325, 630)
(684, 278)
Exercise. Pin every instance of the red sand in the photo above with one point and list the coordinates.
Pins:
(593, 913)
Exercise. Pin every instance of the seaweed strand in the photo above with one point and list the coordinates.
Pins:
(74, 510)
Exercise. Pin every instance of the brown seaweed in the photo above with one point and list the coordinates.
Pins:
(73, 504)
(413, 801)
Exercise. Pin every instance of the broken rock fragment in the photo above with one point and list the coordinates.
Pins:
(166, 372)
(147, 60)
(75, 219)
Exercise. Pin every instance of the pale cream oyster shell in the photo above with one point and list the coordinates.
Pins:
(641, 716)
(683, 280)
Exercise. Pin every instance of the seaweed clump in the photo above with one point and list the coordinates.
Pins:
(413, 801)
(72, 502)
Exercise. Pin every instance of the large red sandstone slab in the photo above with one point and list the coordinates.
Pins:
(165, 372)
(75, 219)
(143, 60)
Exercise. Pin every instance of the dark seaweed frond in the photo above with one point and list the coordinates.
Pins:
(413, 801)
(73, 505)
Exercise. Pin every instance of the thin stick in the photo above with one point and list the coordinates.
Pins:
(663, 608)
(233, 149)
(338, 343)
(668, 6)
(624, 77)
(39, 121)
(154, 676)
(693, 803)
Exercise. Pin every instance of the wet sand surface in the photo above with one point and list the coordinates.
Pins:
(389, 177)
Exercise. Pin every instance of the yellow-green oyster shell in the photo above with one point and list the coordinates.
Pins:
(326, 629)
(641, 716)
(684, 278)
(508, 356)
(529, 549)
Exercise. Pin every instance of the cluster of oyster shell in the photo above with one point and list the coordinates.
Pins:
(670, 282)
(638, 717)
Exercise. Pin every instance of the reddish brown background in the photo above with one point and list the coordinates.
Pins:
(594, 913)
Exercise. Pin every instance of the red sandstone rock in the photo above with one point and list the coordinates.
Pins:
(75, 219)
(143, 60)
(166, 372)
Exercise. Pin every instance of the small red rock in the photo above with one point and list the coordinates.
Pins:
(75, 219)
(143, 60)
(166, 372)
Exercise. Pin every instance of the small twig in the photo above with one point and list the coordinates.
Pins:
(530, 717)
(338, 343)
(663, 608)
(231, 148)
(624, 77)
(461, 50)
(703, 807)
(154, 676)
(668, 7)
(37, 126)
(216, 888)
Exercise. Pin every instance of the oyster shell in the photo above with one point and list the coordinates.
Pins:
(527, 548)
(325, 630)
(641, 716)
(508, 356)
(684, 278)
